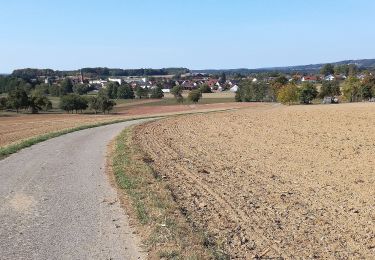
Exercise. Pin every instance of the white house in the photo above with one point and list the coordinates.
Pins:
(254, 80)
(234, 88)
(329, 78)
(98, 82)
(119, 81)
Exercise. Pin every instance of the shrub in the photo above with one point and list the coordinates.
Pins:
(73, 102)
(205, 89)
(125, 91)
(195, 95)
(307, 93)
(157, 92)
(288, 94)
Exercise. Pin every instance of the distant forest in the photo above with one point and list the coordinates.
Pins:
(304, 69)
(96, 72)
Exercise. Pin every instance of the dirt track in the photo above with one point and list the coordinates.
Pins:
(292, 182)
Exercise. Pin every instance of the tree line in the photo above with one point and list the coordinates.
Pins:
(288, 92)
(96, 72)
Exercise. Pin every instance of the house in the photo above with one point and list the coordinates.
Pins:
(234, 88)
(311, 79)
(329, 77)
(97, 82)
(119, 81)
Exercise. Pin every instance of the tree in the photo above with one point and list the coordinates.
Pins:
(18, 99)
(176, 91)
(73, 102)
(112, 88)
(252, 91)
(288, 94)
(368, 87)
(101, 102)
(55, 90)
(327, 69)
(3, 103)
(125, 91)
(330, 89)
(276, 85)
(141, 92)
(39, 102)
(351, 89)
(223, 78)
(42, 89)
(81, 89)
(205, 89)
(66, 87)
(195, 95)
(307, 93)
(157, 92)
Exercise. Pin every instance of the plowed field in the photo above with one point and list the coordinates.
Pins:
(19, 127)
(290, 182)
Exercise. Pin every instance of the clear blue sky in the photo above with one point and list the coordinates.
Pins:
(70, 34)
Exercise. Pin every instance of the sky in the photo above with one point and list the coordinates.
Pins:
(197, 34)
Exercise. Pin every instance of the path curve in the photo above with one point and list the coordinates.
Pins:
(56, 202)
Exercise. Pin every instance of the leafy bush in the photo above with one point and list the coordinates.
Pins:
(125, 91)
(157, 92)
(253, 91)
(195, 95)
(288, 94)
(205, 89)
(73, 102)
(307, 93)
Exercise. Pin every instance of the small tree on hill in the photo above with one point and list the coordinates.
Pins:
(66, 86)
(330, 89)
(141, 92)
(327, 69)
(176, 91)
(81, 89)
(195, 95)
(307, 93)
(3, 103)
(157, 92)
(101, 102)
(18, 99)
(112, 88)
(125, 91)
(73, 102)
(288, 94)
(205, 89)
(351, 89)
(37, 103)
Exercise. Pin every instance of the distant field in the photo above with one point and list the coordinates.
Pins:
(277, 181)
(17, 127)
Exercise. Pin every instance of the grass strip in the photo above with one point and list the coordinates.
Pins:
(166, 232)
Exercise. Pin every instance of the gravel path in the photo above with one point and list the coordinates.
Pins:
(56, 202)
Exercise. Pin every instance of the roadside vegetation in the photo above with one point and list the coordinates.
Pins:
(166, 230)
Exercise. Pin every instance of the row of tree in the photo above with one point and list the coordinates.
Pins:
(18, 100)
(99, 103)
(282, 90)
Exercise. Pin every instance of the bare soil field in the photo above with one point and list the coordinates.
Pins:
(17, 127)
(273, 182)
(156, 109)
